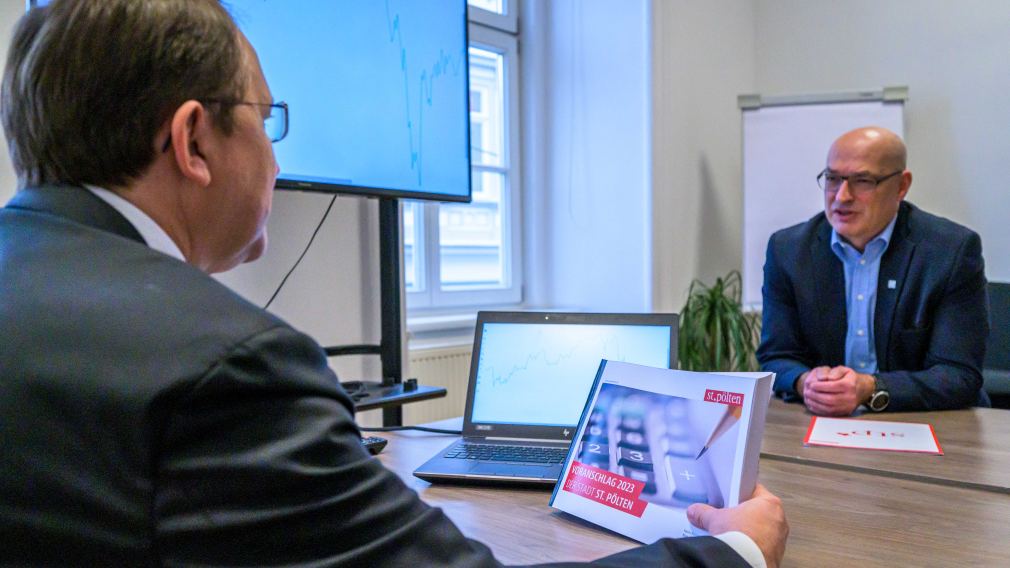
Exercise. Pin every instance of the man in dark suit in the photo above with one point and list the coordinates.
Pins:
(875, 302)
(150, 415)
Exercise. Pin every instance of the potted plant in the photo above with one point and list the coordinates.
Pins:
(715, 333)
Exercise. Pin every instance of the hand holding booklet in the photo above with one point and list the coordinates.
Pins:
(653, 441)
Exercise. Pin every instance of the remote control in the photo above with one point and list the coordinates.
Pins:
(373, 444)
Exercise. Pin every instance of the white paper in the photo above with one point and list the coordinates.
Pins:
(873, 435)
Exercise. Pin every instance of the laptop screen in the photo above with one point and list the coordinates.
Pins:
(540, 374)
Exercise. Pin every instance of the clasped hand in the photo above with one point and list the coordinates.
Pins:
(835, 391)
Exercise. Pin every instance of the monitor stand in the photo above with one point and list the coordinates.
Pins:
(371, 395)
(391, 392)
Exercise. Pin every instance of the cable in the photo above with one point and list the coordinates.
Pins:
(420, 428)
(297, 262)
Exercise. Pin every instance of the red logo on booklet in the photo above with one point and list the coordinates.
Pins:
(724, 397)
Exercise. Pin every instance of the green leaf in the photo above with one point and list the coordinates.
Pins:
(715, 333)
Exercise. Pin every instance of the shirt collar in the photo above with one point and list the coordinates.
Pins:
(152, 233)
(884, 237)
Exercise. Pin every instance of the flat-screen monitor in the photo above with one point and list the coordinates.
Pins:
(377, 92)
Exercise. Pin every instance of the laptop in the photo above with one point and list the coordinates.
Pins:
(530, 377)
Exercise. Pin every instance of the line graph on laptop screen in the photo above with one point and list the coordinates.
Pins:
(541, 374)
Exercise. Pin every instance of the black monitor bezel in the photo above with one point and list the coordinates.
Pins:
(565, 432)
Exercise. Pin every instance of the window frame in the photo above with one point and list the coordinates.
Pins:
(507, 22)
(430, 297)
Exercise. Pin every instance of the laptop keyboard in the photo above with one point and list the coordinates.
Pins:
(501, 453)
(647, 437)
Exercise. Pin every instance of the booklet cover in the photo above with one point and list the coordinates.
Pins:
(653, 441)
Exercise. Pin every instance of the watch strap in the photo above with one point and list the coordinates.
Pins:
(881, 397)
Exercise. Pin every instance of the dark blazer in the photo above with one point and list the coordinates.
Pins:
(930, 329)
(151, 416)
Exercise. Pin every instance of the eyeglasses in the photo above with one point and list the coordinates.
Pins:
(860, 184)
(275, 125)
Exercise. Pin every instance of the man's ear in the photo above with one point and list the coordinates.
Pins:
(906, 183)
(191, 127)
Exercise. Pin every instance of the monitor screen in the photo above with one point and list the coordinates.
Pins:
(540, 374)
(377, 92)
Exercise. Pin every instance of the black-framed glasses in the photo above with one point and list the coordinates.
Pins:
(860, 183)
(275, 125)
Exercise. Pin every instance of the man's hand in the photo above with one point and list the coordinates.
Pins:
(813, 374)
(761, 518)
(837, 391)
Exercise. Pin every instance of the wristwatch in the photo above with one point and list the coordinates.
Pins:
(880, 397)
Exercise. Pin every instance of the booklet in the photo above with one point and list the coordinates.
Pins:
(653, 441)
(872, 435)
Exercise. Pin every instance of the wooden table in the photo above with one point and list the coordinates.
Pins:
(839, 517)
(975, 442)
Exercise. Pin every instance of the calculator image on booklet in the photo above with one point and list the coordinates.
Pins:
(659, 440)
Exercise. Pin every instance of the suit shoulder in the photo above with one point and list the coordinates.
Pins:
(196, 297)
(110, 288)
(213, 324)
(798, 233)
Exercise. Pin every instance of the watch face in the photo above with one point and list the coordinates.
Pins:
(879, 401)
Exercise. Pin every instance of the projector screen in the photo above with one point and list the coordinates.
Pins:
(377, 92)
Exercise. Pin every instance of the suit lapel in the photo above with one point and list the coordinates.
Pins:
(891, 282)
(75, 204)
(828, 277)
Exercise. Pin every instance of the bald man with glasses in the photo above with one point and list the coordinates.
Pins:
(874, 303)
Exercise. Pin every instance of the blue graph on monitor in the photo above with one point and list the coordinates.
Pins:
(541, 374)
(377, 90)
(444, 65)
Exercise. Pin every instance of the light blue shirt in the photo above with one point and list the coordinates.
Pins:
(861, 272)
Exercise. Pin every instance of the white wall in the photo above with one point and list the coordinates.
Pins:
(703, 58)
(587, 153)
(954, 55)
(10, 11)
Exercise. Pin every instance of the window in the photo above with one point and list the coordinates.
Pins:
(493, 6)
(459, 255)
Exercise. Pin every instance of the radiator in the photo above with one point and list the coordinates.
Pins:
(447, 367)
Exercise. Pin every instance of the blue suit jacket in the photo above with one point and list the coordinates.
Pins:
(930, 329)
